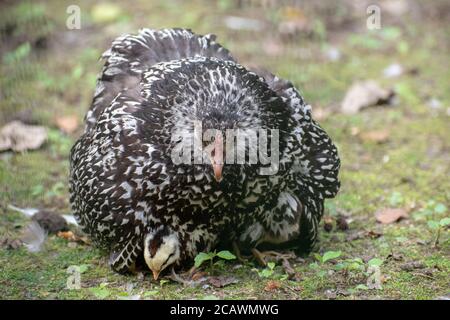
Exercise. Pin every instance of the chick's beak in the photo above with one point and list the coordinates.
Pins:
(156, 274)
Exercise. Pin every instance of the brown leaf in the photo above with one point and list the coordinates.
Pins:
(70, 236)
(272, 285)
(198, 275)
(363, 234)
(11, 244)
(222, 281)
(342, 223)
(390, 215)
(409, 266)
(20, 137)
(327, 223)
(364, 94)
(377, 136)
(67, 124)
(374, 234)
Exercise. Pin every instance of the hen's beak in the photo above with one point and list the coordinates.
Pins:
(217, 159)
(155, 274)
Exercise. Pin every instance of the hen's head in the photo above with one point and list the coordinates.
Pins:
(219, 111)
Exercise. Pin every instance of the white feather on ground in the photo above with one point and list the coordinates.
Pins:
(30, 212)
(70, 219)
(34, 237)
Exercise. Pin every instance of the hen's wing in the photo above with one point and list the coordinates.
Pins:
(317, 154)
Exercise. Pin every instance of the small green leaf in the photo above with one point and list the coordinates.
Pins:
(284, 277)
(395, 199)
(329, 255)
(402, 47)
(354, 266)
(375, 262)
(340, 266)
(227, 255)
(440, 208)
(100, 292)
(83, 267)
(163, 282)
(202, 257)
(123, 294)
(318, 257)
(37, 190)
(265, 273)
(271, 265)
(361, 287)
(21, 52)
(444, 222)
(322, 273)
(77, 72)
(150, 293)
(391, 33)
(433, 224)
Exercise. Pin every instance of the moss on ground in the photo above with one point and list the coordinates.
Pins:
(409, 170)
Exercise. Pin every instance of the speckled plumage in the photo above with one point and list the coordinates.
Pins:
(124, 184)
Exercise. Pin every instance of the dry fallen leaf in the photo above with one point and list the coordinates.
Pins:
(198, 276)
(409, 266)
(390, 215)
(363, 234)
(67, 124)
(377, 136)
(374, 234)
(364, 94)
(272, 285)
(327, 223)
(20, 137)
(70, 236)
(10, 243)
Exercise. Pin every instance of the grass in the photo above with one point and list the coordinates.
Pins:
(413, 163)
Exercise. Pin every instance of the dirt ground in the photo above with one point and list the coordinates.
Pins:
(394, 156)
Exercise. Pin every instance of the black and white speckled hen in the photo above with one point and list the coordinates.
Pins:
(129, 194)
